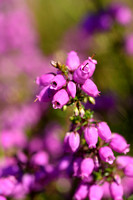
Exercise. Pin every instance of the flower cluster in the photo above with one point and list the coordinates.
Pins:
(90, 145)
(69, 83)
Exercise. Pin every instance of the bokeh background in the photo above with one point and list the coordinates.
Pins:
(32, 33)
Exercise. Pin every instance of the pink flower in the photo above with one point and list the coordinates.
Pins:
(90, 88)
(72, 141)
(40, 158)
(119, 144)
(72, 61)
(58, 82)
(45, 79)
(71, 89)
(123, 161)
(84, 71)
(60, 99)
(2, 198)
(86, 167)
(116, 191)
(106, 154)
(104, 131)
(45, 95)
(95, 192)
(128, 170)
(91, 136)
(81, 192)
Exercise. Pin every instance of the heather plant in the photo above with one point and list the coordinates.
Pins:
(91, 149)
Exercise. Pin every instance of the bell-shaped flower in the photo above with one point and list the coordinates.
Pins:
(123, 161)
(45, 79)
(81, 192)
(60, 99)
(84, 71)
(95, 192)
(86, 167)
(58, 82)
(90, 88)
(104, 131)
(74, 141)
(91, 136)
(72, 61)
(128, 170)
(119, 144)
(71, 141)
(46, 94)
(106, 154)
(71, 89)
(116, 191)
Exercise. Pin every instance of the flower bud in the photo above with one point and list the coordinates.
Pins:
(45, 95)
(60, 99)
(119, 144)
(104, 131)
(84, 71)
(72, 61)
(90, 88)
(95, 192)
(128, 170)
(116, 191)
(106, 154)
(71, 89)
(45, 79)
(58, 82)
(91, 136)
(81, 112)
(86, 167)
(76, 111)
(81, 192)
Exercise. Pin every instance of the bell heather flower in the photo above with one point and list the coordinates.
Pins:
(104, 131)
(74, 141)
(116, 191)
(58, 82)
(95, 192)
(128, 170)
(45, 95)
(72, 61)
(84, 71)
(106, 154)
(71, 89)
(119, 144)
(60, 99)
(81, 192)
(123, 161)
(91, 136)
(86, 167)
(45, 79)
(90, 88)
